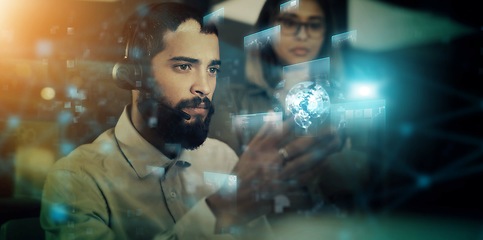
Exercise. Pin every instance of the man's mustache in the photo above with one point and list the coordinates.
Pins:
(195, 103)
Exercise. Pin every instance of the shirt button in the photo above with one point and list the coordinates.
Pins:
(173, 194)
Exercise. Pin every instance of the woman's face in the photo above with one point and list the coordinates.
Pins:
(302, 32)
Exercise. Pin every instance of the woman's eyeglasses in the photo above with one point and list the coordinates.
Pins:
(290, 26)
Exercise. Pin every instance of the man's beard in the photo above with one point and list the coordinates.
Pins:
(169, 123)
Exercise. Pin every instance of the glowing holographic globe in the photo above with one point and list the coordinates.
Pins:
(308, 102)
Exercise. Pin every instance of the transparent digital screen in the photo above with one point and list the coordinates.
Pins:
(226, 182)
(363, 121)
(215, 17)
(247, 125)
(347, 38)
(289, 6)
(261, 39)
(318, 70)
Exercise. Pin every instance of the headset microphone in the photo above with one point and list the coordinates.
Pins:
(183, 114)
(178, 112)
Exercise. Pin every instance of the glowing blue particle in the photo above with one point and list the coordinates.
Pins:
(406, 129)
(64, 117)
(67, 105)
(13, 122)
(152, 122)
(137, 53)
(58, 213)
(71, 91)
(79, 109)
(158, 171)
(281, 201)
(423, 181)
(106, 147)
(143, 10)
(66, 148)
(44, 48)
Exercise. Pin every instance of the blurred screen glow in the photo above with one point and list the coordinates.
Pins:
(363, 91)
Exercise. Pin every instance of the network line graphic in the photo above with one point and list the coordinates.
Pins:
(428, 159)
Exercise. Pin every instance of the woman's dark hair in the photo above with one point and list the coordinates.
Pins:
(270, 61)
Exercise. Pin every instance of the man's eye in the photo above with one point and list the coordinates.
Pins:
(183, 67)
(213, 70)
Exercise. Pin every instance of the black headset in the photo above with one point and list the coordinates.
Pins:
(130, 73)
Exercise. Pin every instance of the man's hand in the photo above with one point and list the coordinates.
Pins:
(274, 162)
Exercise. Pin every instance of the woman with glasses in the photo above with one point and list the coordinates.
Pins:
(304, 31)
(304, 35)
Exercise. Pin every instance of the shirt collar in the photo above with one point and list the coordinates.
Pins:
(143, 157)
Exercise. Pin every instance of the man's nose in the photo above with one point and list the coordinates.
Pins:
(201, 86)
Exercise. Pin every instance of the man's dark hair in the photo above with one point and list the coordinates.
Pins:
(144, 30)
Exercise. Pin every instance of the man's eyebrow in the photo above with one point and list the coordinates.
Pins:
(185, 59)
(214, 62)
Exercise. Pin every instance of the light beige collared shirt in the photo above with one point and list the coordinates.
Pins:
(121, 187)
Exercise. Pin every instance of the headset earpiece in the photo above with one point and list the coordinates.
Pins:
(128, 74)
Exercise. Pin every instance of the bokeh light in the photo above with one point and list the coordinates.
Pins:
(47, 93)
(58, 213)
(423, 181)
(66, 147)
(406, 129)
(44, 48)
(362, 90)
(13, 122)
(64, 118)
